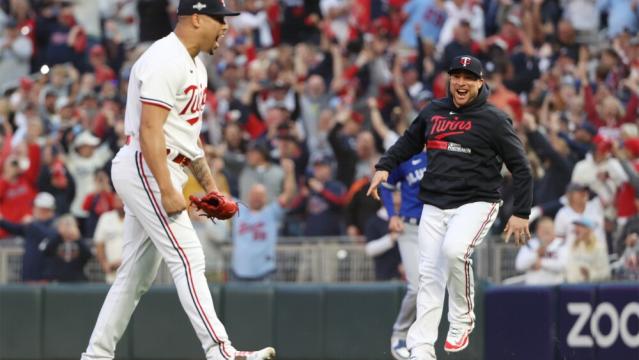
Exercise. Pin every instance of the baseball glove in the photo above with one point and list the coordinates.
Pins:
(215, 206)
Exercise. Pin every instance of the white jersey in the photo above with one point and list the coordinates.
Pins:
(167, 76)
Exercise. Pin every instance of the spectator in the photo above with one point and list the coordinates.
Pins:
(66, 251)
(59, 37)
(155, 22)
(622, 16)
(324, 201)
(583, 15)
(458, 11)
(554, 154)
(18, 182)
(627, 267)
(121, 21)
(461, 44)
(354, 149)
(232, 150)
(299, 21)
(34, 233)
(255, 230)
(99, 66)
(544, 257)
(15, 52)
(587, 259)
(83, 160)
(359, 207)
(259, 170)
(55, 179)
(579, 206)
(254, 22)
(381, 245)
(601, 172)
(430, 15)
(108, 239)
(313, 102)
(98, 202)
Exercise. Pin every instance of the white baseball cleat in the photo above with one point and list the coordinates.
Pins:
(457, 339)
(399, 351)
(267, 353)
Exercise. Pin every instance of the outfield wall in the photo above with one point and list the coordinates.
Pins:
(327, 322)
(302, 321)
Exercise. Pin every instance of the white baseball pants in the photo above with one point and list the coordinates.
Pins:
(447, 239)
(409, 251)
(150, 236)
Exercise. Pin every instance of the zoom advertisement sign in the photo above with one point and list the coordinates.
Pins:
(599, 322)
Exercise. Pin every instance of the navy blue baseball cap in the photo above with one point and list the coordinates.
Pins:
(466, 63)
(206, 7)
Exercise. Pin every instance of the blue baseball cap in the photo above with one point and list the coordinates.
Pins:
(584, 221)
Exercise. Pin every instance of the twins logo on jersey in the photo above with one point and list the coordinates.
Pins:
(258, 230)
(444, 127)
(196, 102)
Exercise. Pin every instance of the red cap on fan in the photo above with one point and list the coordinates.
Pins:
(632, 145)
(602, 144)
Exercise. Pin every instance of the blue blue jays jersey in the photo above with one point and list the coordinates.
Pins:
(408, 175)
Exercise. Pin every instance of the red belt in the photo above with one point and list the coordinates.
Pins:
(179, 159)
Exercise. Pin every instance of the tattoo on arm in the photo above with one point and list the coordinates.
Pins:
(202, 172)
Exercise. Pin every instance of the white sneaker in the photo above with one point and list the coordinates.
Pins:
(399, 351)
(267, 353)
(457, 339)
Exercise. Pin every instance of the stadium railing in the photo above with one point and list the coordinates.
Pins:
(299, 259)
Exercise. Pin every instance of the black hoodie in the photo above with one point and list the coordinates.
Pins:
(466, 149)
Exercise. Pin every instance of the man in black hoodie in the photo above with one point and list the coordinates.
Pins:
(468, 141)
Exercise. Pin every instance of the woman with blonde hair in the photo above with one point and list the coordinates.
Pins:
(588, 259)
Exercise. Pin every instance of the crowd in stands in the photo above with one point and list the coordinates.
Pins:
(315, 91)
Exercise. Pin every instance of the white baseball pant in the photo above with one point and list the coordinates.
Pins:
(150, 236)
(409, 251)
(447, 239)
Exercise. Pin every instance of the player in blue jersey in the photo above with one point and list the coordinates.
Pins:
(406, 178)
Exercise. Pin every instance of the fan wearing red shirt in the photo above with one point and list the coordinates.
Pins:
(18, 186)
(98, 202)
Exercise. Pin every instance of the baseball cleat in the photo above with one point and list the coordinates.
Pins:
(268, 353)
(399, 351)
(457, 339)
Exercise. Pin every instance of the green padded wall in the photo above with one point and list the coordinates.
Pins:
(248, 314)
(69, 314)
(303, 321)
(358, 320)
(299, 321)
(161, 329)
(20, 322)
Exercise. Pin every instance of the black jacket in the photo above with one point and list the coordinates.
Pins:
(466, 149)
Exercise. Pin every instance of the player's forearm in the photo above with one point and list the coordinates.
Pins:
(202, 172)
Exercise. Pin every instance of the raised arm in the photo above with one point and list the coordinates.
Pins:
(290, 184)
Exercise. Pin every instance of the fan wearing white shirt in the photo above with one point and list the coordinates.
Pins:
(579, 206)
(544, 257)
(108, 240)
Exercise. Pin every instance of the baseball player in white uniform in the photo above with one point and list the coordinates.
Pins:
(165, 99)
(467, 141)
